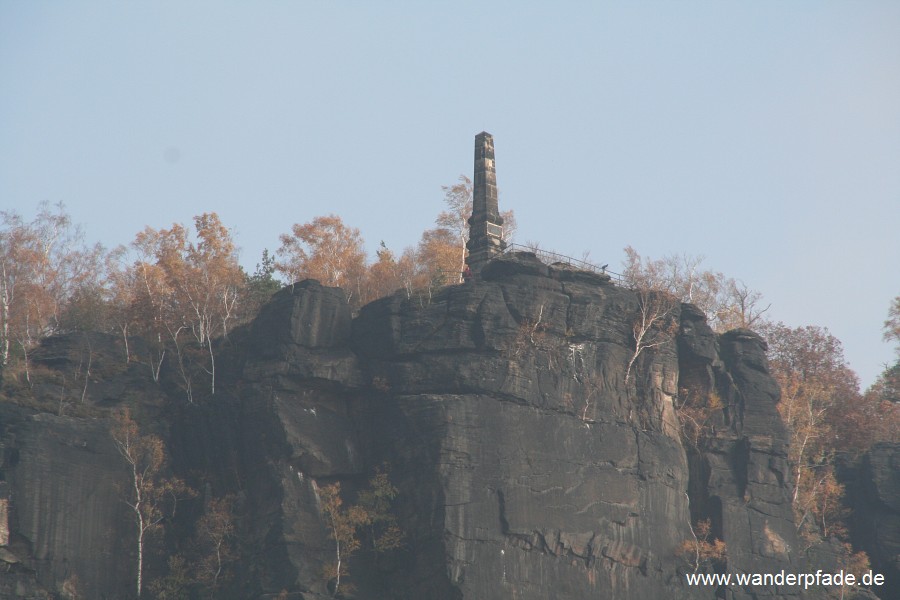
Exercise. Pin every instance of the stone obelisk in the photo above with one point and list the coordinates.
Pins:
(485, 224)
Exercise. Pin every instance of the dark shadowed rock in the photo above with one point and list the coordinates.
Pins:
(294, 427)
(538, 461)
(566, 272)
(873, 489)
(514, 263)
(306, 314)
(303, 332)
(89, 369)
(740, 477)
(66, 508)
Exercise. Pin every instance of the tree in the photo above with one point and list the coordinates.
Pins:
(892, 324)
(728, 303)
(388, 274)
(144, 298)
(215, 533)
(384, 532)
(261, 285)
(696, 412)
(704, 550)
(818, 392)
(87, 309)
(43, 262)
(510, 225)
(653, 325)
(161, 310)
(438, 258)
(18, 259)
(209, 283)
(176, 583)
(150, 496)
(741, 307)
(409, 271)
(326, 250)
(205, 565)
(879, 416)
(865, 419)
(177, 291)
(887, 387)
(348, 525)
(343, 524)
(677, 275)
(455, 221)
(124, 291)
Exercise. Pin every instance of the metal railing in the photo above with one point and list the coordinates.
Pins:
(549, 257)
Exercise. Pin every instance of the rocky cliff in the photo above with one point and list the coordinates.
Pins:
(527, 464)
(873, 490)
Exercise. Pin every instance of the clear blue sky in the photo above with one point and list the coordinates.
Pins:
(762, 135)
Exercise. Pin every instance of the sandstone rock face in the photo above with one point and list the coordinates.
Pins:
(543, 473)
(293, 432)
(66, 512)
(740, 479)
(550, 476)
(873, 486)
(527, 466)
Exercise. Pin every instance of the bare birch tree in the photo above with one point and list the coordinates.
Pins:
(178, 290)
(43, 262)
(215, 533)
(653, 325)
(727, 303)
(458, 198)
(150, 496)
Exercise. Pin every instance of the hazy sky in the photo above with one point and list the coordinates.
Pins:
(764, 136)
